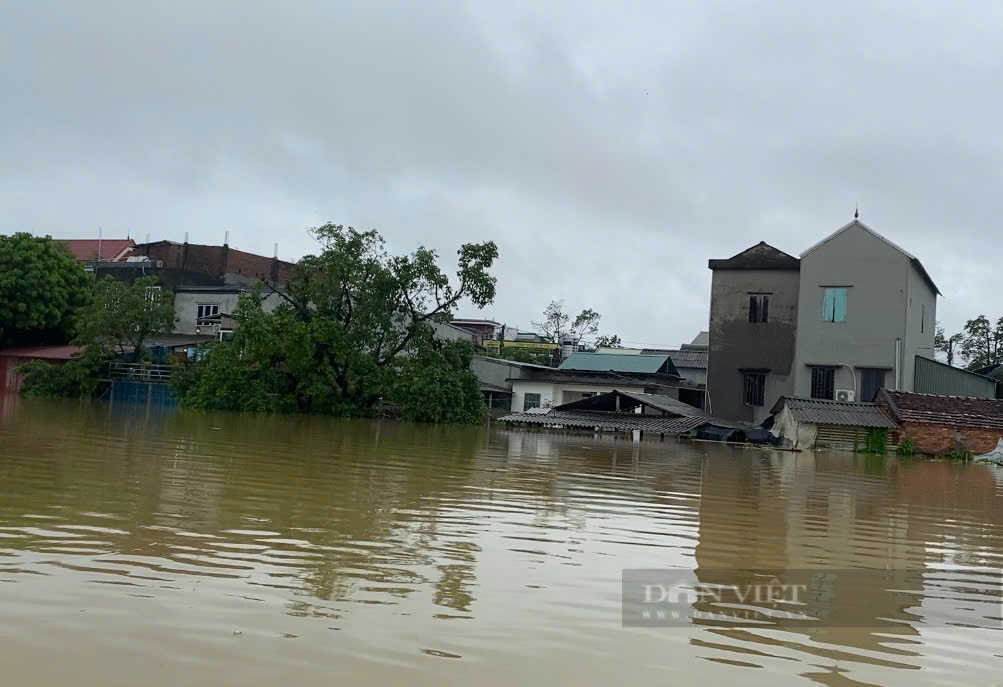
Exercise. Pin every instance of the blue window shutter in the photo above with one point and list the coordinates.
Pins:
(839, 305)
(828, 305)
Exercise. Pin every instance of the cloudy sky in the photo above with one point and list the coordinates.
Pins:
(608, 148)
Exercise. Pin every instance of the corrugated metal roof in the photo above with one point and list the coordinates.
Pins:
(681, 357)
(616, 422)
(604, 362)
(822, 412)
(955, 411)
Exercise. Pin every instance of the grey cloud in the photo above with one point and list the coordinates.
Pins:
(609, 149)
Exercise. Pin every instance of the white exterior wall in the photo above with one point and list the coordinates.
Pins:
(186, 303)
(552, 393)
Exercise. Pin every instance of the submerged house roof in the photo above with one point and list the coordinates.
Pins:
(611, 362)
(608, 403)
(761, 256)
(857, 223)
(818, 411)
(614, 411)
(957, 411)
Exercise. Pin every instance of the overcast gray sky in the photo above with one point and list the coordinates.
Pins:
(608, 148)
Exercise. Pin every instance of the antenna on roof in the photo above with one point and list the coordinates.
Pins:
(276, 253)
(226, 238)
(856, 211)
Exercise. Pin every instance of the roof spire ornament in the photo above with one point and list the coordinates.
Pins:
(856, 211)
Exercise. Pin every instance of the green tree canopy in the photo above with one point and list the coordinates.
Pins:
(41, 288)
(982, 342)
(121, 314)
(352, 316)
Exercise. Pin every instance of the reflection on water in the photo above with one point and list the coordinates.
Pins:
(224, 549)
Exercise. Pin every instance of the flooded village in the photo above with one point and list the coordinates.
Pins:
(500, 344)
(808, 436)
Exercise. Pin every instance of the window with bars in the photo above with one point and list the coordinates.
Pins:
(530, 401)
(823, 382)
(759, 307)
(755, 388)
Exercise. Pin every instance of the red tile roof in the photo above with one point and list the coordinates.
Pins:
(42, 352)
(958, 411)
(85, 250)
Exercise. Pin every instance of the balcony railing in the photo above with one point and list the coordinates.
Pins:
(139, 372)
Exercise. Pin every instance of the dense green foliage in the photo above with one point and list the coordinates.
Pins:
(76, 378)
(354, 328)
(41, 287)
(907, 447)
(436, 384)
(122, 314)
(877, 441)
(117, 315)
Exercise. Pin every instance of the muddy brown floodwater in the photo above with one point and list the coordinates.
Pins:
(193, 549)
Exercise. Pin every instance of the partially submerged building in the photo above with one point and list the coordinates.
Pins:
(624, 411)
(940, 425)
(853, 314)
(587, 374)
(810, 423)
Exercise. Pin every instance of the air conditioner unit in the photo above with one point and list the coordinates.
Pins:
(846, 395)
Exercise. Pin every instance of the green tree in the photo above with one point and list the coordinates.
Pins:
(558, 326)
(609, 341)
(125, 315)
(41, 288)
(351, 313)
(949, 345)
(435, 384)
(982, 342)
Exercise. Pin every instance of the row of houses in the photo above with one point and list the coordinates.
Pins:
(820, 349)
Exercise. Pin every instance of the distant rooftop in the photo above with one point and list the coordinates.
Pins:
(87, 250)
(685, 357)
(611, 362)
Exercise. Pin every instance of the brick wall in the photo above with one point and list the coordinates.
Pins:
(940, 440)
(215, 261)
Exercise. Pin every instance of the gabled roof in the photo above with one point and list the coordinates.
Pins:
(761, 256)
(857, 223)
(611, 362)
(607, 402)
(85, 250)
(823, 412)
(956, 411)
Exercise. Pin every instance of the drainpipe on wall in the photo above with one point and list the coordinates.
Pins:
(898, 365)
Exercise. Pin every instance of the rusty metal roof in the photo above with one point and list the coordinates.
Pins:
(823, 412)
(43, 352)
(611, 422)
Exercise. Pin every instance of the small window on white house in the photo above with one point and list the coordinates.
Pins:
(530, 401)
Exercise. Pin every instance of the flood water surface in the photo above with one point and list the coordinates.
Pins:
(193, 549)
